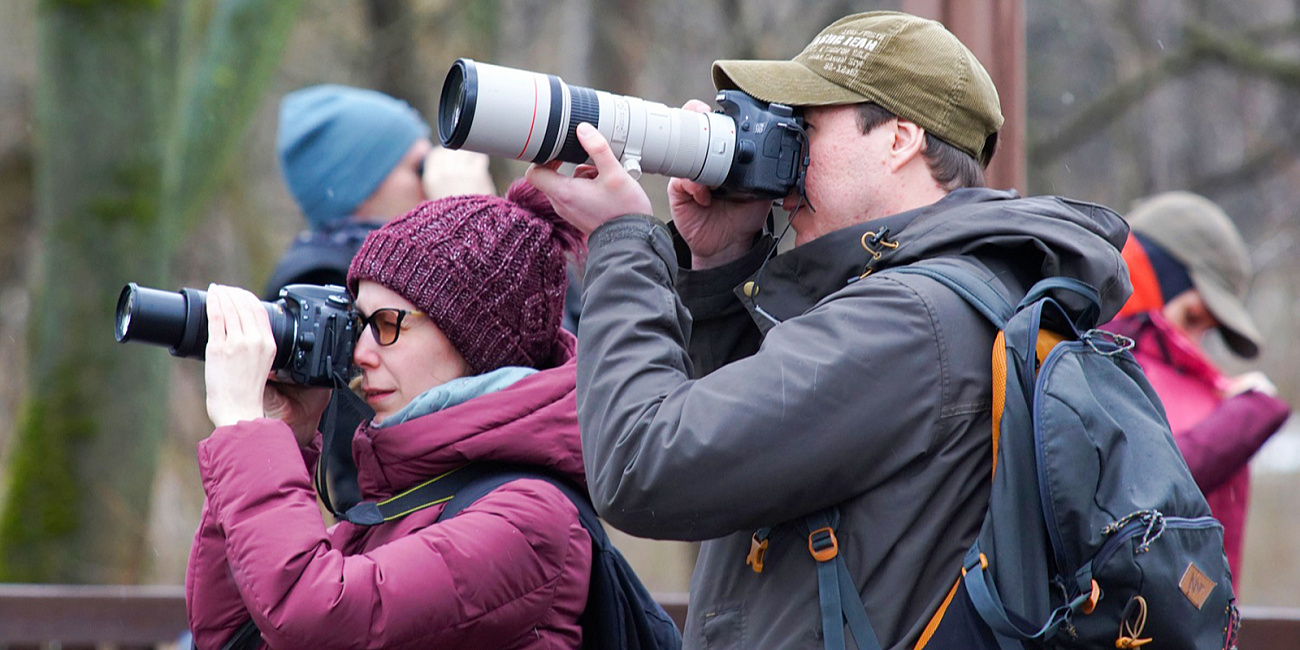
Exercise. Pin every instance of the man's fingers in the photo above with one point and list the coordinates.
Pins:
(598, 148)
(697, 106)
(544, 176)
(698, 193)
(703, 195)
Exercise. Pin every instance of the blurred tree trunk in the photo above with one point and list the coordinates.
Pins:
(126, 154)
(618, 47)
(393, 52)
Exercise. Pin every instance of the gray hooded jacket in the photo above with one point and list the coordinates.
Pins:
(716, 402)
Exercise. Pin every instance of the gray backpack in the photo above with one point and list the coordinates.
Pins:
(1096, 536)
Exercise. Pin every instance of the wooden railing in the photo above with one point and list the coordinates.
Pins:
(127, 617)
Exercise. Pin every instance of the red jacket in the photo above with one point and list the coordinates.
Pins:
(511, 571)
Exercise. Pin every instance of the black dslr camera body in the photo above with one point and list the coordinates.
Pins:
(314, 328)
(770, 149)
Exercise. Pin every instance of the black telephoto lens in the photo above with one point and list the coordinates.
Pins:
(178, 320)
(174, 319)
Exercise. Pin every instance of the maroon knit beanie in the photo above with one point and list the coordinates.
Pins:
(488, 271)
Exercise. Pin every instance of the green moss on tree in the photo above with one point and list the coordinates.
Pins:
(103, 4)
(38, 528)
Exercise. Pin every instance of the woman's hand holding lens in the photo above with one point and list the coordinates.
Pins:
(239, 355)
(299, 406)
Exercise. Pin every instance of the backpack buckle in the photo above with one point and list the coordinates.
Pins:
(757, 551)
(823, 545)
(1094, 595)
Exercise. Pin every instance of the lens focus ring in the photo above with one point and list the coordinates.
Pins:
(584, 107)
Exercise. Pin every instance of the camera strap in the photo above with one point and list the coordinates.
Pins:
(801, 172)
(344, 413)
(321, 480)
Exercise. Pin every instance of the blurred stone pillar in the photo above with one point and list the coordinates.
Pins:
(995, 31)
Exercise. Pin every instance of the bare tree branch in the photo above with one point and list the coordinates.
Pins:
(1103, 111)
(1240, 52)
(1259, 165)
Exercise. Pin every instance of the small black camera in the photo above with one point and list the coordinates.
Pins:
(314, 328)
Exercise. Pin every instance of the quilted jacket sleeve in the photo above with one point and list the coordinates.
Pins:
(212, 601)
(482, 579)
(1223, 442)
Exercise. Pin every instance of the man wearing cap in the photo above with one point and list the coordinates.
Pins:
(1190, 269)
(724, 392)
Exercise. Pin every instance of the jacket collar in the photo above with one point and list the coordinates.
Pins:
(793, 282)
(532, 422)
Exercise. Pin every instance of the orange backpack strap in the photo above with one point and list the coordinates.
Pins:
(1047, 340)
(999, 393)
(938, 616)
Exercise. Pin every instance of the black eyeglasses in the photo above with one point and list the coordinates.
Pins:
(385, 324)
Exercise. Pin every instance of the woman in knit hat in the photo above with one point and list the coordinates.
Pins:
(463, 359)
(1190, 270)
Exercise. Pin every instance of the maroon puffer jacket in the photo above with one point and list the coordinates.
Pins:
(511, 571)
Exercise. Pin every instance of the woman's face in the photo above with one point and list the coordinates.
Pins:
(401, 190)
(1187, 311)
(422, 357)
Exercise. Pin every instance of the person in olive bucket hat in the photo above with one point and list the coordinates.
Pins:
(1190, 271)
(728, 390)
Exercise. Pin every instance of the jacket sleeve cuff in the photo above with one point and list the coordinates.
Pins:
(242, 463)
(631, 226)
(711, 292)
(622, 231)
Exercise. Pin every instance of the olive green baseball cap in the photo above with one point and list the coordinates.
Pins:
(913, 67)
(1197, 233)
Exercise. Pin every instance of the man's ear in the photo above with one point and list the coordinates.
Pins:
(909, 143)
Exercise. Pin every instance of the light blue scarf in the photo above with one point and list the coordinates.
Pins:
(456, 391)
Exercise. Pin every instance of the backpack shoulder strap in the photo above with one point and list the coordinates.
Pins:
(838, 594)
(964, 278)
(479, 479)
(439, 489)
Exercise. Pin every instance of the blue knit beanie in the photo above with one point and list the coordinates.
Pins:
(337, 144)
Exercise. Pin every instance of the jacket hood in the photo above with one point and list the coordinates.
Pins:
(533, 421)
(1032, 237)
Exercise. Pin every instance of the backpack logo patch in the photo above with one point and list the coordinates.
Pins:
(1196, 585)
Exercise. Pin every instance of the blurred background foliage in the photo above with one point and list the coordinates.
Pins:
(136, 143)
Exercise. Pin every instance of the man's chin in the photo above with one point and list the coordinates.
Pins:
(802, 235)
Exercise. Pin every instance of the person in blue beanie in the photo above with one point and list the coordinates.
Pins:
(352, 159)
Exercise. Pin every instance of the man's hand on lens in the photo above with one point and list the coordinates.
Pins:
(596, 193)
(719, 231)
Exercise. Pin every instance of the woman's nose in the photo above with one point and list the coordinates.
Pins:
(366, 352)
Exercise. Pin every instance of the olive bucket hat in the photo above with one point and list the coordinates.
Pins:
(913, 67)
(1198, 234)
